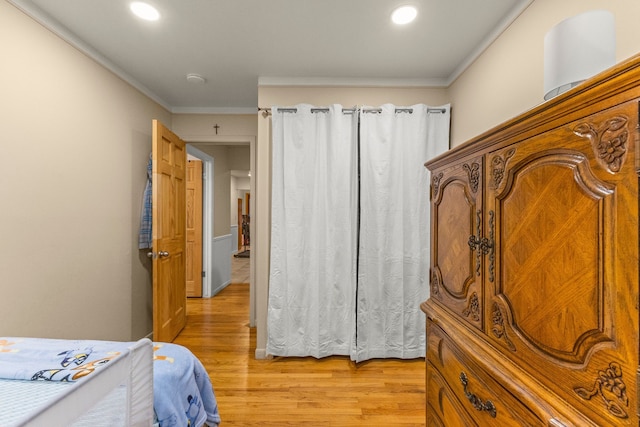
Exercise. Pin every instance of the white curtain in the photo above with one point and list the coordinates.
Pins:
(312, 279)
(317, 305)
(393, 260)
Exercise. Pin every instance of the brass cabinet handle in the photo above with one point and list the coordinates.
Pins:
(475, 400)
(492, 247)
(476, 242)
(484, 245)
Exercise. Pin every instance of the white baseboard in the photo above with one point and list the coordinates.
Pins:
(261, 354)
(221, 287)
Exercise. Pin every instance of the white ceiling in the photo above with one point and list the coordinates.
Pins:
(237, 44)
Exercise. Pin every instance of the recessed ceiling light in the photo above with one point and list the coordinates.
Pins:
(145, 11)
(404, 14)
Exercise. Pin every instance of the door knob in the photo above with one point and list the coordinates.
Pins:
(163, 254)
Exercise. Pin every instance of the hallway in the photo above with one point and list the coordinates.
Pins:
(239, 270)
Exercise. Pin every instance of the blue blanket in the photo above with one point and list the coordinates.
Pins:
(183, 394)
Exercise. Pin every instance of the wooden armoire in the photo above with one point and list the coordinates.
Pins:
(533, 313)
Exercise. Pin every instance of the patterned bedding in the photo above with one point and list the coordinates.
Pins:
(183, 394)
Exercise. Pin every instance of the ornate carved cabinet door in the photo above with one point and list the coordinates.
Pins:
(456, 262)
(562, 271)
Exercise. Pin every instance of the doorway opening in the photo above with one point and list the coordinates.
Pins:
(220, 234)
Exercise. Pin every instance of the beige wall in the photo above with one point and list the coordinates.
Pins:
(200, 127)
(239, 155)
(508, 78)
(227, 149)
(76, 140)
(349, 96)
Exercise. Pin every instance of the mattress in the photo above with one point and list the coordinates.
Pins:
(120, 393)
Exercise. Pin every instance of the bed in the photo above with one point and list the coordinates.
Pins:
(102, 383)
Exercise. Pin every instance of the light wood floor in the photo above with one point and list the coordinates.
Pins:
(294, 391)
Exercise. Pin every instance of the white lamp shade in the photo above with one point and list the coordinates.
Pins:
(578, 48)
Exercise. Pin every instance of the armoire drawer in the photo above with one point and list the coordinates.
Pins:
(443, 407)
(488, 402)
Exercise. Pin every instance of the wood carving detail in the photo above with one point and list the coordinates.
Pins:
(473, 308)
(441, 356)
(435, 283)
(484, 245)
(498, 328)
(611, 389)
(498, 165)
(473, 171)
(609, 141)
(441, 399)
(476, 243)
(492, 247)
(435, 184)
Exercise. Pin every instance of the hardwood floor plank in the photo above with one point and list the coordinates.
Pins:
(333, 391)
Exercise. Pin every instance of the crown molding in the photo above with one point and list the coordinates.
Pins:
(214, 110)
(58, 29)
(488, 41)
(348, 82)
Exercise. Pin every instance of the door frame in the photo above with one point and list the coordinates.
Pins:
(208, 190)
(207, 215)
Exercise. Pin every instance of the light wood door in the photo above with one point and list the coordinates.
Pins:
(247, 201)
(194, 228)
(169, 212)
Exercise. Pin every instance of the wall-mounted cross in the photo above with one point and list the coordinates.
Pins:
(216, 127)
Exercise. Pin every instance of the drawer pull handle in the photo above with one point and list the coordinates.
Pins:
(475, 400)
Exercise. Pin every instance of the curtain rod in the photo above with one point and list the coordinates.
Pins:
(267, 111)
